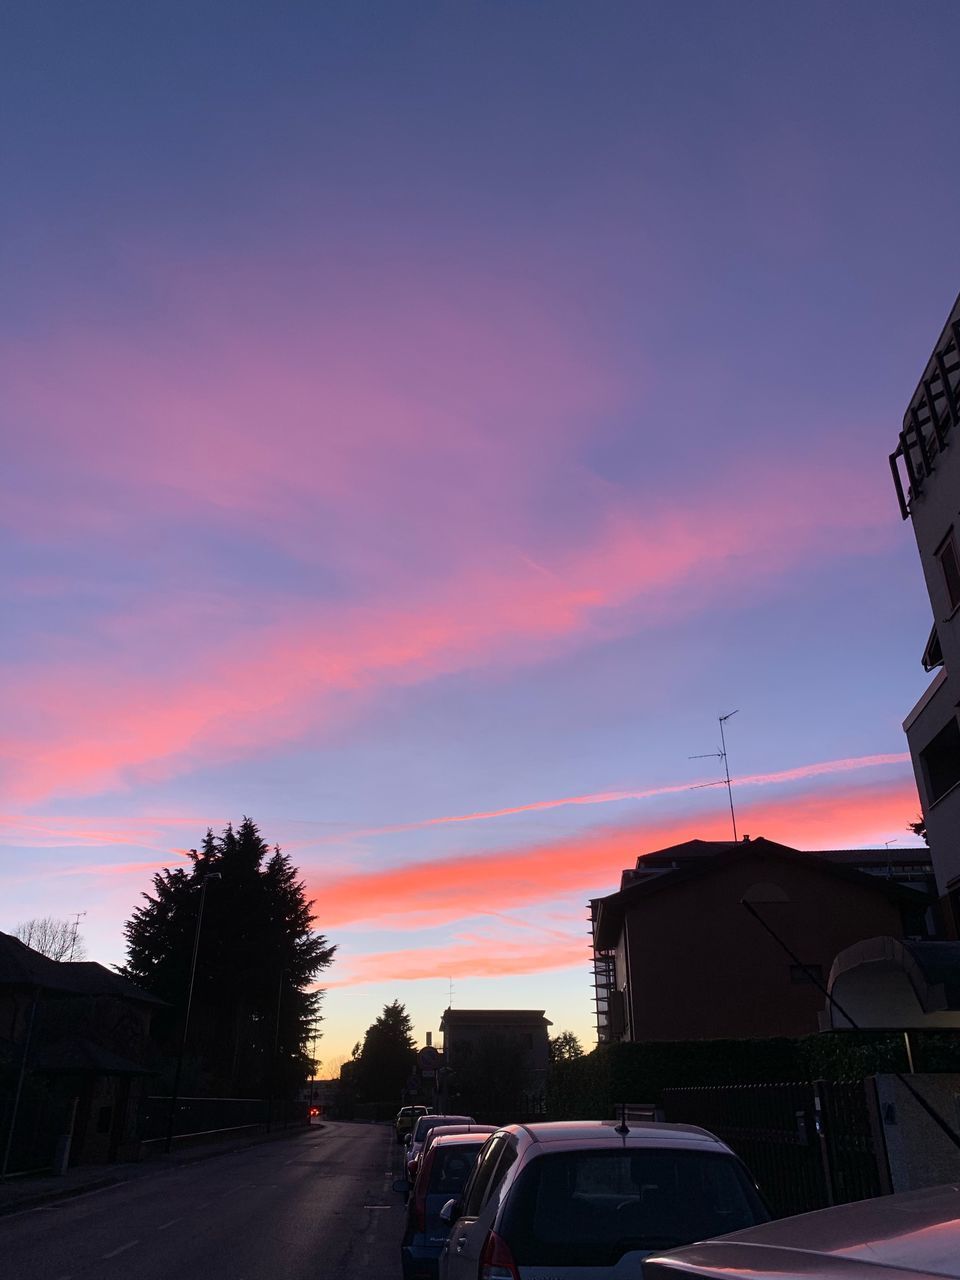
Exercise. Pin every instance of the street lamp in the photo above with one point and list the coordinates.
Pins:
(175, 1096)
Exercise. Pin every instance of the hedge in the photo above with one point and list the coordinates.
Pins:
(590, 1087)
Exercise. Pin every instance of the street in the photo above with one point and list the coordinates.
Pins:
(316, 1205)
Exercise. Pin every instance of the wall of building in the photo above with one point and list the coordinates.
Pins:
(919, 1153)
(703, 968)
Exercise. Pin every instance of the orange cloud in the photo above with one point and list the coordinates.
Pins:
(452, 888)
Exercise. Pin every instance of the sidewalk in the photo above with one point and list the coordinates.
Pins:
(35, 1191)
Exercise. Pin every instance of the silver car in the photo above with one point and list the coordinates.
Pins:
(911, 1236)
(588, 1200)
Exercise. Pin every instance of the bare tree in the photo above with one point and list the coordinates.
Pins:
(55, 939)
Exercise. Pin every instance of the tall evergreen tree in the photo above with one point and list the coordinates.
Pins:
(387, 1057)
(253, 1014)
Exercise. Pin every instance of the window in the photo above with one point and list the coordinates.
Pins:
(474, 1193)
(940, 759)
(588, 1208)
(950, 567)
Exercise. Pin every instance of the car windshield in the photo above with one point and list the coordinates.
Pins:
(589, 1208)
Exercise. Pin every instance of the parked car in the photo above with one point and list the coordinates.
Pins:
(911, 1235)
(445, 1130)
(407, 1117)
(586, 1199)
(420, 1131)
(445, 1165)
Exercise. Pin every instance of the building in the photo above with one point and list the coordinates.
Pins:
(496, 1058)
(75, 1054)
(926, 474)
(677, 955)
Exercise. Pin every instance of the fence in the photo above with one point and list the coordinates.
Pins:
(808, 1144)
(197, 1117)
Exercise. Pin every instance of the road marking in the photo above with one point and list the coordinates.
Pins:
(123, 1249)
(378, 1206)
(164, 1225)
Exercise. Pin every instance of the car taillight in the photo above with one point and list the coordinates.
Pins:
(496, 1260)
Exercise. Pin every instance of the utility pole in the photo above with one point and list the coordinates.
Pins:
(175, 1095)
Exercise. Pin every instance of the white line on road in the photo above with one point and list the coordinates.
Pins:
(163, 1226)
(123, 1249)
(378, 1206)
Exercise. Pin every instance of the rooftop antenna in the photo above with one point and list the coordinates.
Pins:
(450, 995)
(622, 1128)
(76, 930)
(721, 755)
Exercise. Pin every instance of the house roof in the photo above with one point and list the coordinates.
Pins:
(707, 857)
(494, 1016)
(21, 966)
(83, 1057)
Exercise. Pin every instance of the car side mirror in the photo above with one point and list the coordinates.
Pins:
(401, 1186)
(450, 1211)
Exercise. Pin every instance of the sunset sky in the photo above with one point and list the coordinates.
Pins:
(422, 420)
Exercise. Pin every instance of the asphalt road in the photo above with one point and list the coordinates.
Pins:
(316, 1205)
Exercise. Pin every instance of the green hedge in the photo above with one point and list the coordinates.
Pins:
(591, 1086)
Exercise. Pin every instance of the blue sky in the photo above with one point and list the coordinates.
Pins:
(420, 411)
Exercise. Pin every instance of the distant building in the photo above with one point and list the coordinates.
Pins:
(926, 474)
(484, 1048)
(678, 957)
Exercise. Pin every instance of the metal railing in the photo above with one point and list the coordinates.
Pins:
(808, 1145)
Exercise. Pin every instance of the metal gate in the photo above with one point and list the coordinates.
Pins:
(807, 1144)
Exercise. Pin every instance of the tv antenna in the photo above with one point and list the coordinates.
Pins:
(450, 995)
(76, 930)
(721, 755)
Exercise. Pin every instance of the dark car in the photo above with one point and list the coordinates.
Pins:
(418, 1136)
(444, 1169)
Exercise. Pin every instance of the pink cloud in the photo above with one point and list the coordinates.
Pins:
(477, 959)
(96, 726)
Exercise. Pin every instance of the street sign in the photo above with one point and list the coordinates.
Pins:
(428, 1058)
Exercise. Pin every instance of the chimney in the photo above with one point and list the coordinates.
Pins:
(429, 1039)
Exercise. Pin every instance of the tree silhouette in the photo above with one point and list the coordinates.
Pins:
(254, 1015)
(384, 1062)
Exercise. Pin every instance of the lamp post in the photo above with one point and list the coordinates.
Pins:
(175, 1096)
(276, 1050)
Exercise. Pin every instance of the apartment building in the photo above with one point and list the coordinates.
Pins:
(926, 476)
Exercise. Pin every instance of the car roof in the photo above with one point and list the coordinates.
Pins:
(606, 1133)
(914, 1233)
(446, 1130)
(476, 1138)
(441, 1120)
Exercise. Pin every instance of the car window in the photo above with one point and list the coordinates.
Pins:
(452, 1167)
(589, 1208)
(474, 1193)
(507, 1157)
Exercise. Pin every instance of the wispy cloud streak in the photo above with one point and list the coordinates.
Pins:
(801, 773)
